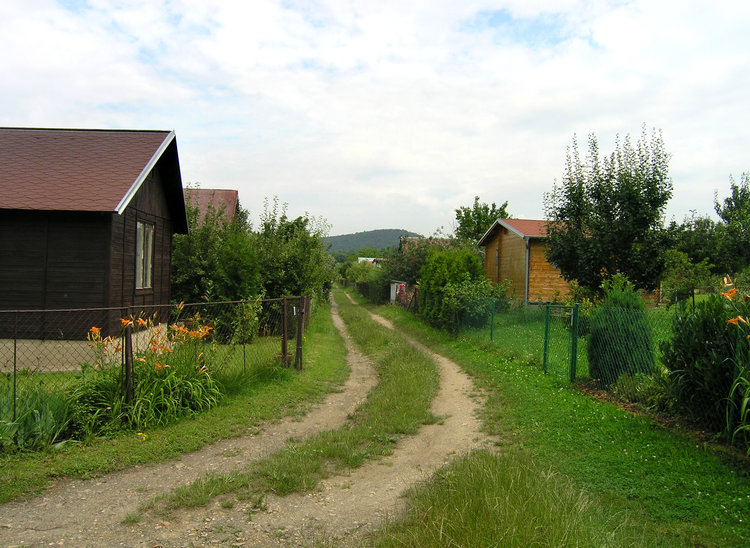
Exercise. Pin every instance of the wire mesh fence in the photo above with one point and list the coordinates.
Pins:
(45, 354)
(682, 360)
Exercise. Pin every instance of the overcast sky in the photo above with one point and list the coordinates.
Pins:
(381, 114)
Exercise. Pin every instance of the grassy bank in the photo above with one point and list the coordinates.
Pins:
(617, 478)
(267, 393)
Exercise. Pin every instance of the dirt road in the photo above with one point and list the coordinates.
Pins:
(90, 513)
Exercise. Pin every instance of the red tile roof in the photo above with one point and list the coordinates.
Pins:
(530, 228)
(75, 169)
(525, 228)
(218, 198)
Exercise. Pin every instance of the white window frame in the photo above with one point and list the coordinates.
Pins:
(144, 255)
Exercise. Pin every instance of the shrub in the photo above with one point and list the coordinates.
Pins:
(443, 269)
(620, 340)
(699, 359)
(43, 416)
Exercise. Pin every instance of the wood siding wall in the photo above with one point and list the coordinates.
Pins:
(545, 282)
(64, 260)
(505, 258)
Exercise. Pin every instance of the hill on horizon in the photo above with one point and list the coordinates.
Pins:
(376, 239)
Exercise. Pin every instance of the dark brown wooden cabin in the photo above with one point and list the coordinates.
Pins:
(514, 250)
(86, 220)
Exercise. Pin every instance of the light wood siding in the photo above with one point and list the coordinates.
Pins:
(492, 261)
(505, 258)
(545, 282)
(513, 261)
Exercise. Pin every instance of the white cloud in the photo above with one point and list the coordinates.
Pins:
(390, 114)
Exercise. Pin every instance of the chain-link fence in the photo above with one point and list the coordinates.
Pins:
(45, 354)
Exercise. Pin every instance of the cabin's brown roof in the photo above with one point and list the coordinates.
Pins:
(75, 169)
(219, 199)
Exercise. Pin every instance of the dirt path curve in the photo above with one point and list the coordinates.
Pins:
(89, 513)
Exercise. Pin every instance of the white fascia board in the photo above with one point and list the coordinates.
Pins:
(135, 187)
(486, 234)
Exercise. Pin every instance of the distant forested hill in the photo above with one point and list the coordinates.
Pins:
(377, 239)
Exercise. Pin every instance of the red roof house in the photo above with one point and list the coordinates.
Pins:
(220, 200)
(514, 250)
(86, 220)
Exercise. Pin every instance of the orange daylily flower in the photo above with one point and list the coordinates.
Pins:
(159, 366)
(141, 322)
(730, 294)
(737, 320)
(95, 330)
(126, 322)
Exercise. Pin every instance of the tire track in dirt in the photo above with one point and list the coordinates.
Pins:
(345, 508)
(90, 512)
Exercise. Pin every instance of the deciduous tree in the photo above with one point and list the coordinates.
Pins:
(473, 221)
(606, 215)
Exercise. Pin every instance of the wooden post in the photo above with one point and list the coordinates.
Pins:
(300, 326)
(128, 356)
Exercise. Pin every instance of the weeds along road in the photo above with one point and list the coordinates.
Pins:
(91, 512)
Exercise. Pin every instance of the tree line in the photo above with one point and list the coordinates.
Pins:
(224, 258)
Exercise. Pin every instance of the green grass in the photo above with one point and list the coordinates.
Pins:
(269, 393)
(505, 499)
(671, 488)
(396, 407)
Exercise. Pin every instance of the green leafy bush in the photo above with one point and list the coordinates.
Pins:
(43, 416)
(620, 339)
(443, 269)
(699, 357)
(470, 301)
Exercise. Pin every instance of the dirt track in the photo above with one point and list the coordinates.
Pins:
(89, 513)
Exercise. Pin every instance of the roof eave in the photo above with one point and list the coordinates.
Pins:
(488, 235)
(135, 187)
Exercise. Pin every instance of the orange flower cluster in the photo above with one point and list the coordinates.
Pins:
(729, 294)
(105, 348)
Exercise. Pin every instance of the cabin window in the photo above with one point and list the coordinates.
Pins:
(144, 253)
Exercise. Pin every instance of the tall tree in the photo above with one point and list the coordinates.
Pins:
(735, 213)
(475, 220)
(606, 216)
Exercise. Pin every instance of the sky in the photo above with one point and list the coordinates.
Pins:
(380, 114)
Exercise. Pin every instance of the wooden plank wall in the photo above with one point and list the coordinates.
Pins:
(513, 261)
(505, 258)
(545, 282)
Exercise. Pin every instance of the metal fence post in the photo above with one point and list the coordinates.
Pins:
(546, 338)
(15, 366)
(284, 333)
(574, 342)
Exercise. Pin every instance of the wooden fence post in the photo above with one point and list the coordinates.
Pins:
(127, 381)
(300, 327)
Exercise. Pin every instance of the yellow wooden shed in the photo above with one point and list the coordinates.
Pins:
(515, 250)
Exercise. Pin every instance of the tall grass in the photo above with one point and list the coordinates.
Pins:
(43, 415)
(678, 489)
(504, 499)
